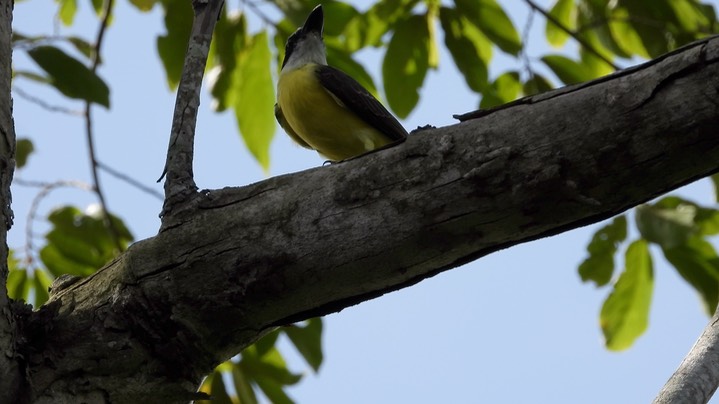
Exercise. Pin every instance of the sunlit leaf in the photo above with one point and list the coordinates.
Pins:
(625, 35)
(67, 11)
(243, 387)
(229, 40)
(564, 12)
(70, 76)
(567, 70)
(341, 14)
(503, 89)
(625, 313)
(143, 5)
(173, 45)
(17, 281)
(490, 18)
(308, 341)
(599, 266)
(369, 28)
(668, 227)
(697, 262)
(469, 48)
(41, 282)
(255, 97)
(405, 64)
(23, 149)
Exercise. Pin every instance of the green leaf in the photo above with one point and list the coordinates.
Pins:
(31, 76)
(218, 392)
(369, 28)
(567, 70)
(697, 262)
(625, 313)
(470, 49)
(23, 149)
(405, 64)
(563, 11)
(505, 88)
(229, 39)
(80, 243)
(42, 284)
(266, 343)
(243, 387)
(536, 85)
(70, 76)
(143, 5)
(274, 392)
(490, 18)
(715, 180)
(82, 46)
(67, 11)
(666, 226)
(341, 14)
(98, 6)
(17, 284)
(599, 266)
(308, 341)
(173, 45)
(624, 34)
(254, 97)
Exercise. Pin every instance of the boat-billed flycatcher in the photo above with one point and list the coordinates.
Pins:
(324, 109)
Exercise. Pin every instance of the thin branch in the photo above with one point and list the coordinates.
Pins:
(46, 188)
(180, 184)
(43, 104)
(89, 132)
(525, 40)
(267, 20)
(586, 45)
(124, 177)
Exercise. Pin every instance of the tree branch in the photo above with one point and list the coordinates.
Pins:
(10, 376)
(240, 261)
(180, 184)
(697, 378)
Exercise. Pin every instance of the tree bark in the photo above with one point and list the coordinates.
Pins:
(10, 377)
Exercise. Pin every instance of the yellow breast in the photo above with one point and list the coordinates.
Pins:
(321, 120)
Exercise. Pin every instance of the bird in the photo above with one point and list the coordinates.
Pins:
(324, 109)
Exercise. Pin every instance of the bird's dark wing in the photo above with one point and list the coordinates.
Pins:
(357, 99)
(286, 126)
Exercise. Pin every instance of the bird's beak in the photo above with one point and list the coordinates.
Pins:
(315, 21)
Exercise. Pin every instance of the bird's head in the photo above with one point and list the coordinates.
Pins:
(305, 45)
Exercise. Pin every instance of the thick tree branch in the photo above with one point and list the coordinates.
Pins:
(237, 262)
(180, 183)
(697, 378)
(10, 377)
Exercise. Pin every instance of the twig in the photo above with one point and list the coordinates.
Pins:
(586, 45)
(46, 188)
(525, 40)
(89, 133)
(43, 104)
(124, 177)
(180, 183)
(267, 20)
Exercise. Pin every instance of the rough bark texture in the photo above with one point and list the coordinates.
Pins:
(697, 378)
(10, 378)
(234, 263)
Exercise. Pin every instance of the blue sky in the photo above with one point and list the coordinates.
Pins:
(517, 326)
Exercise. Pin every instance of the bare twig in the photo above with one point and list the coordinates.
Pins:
(267, 20)
(586, 45)
(525, 40)
(180, 184)
(43, 104)
(89, 132)
(124, 177)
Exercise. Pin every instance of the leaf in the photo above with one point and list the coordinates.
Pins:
(505, 88)
(536, 85)
(143, 5)
(490, 18)
(42, 283)
(567, 70)
(229, 39)
(31, 76)
(341, 13)
(23, 149)
(666, 226)
(599, 266)
(470, 49)
(405, 64)
(369, 28)
(173, 45)
(70, 76)
(624, 34)
(308, 341)
(67, 11)
(274, 392)
(17, 284)
(255, 97)
(218, 391)
(243, 387)
(697, 262)
(563, 11)
(270, 366)
(80, 243)
(82, 46)
(715, 180)
(625, 313)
